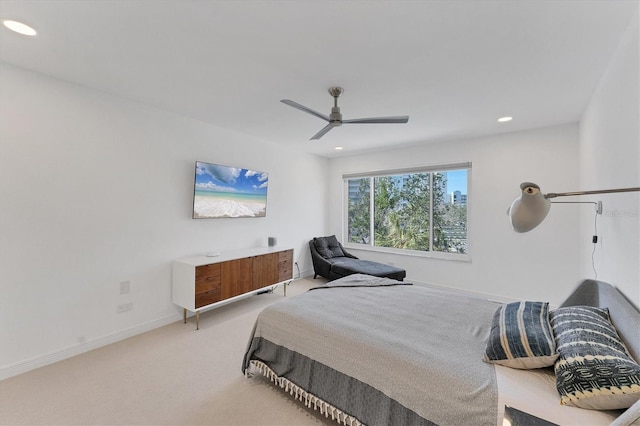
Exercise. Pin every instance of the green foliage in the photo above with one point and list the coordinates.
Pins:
(402, 211)
(401, 217)
(359, 206)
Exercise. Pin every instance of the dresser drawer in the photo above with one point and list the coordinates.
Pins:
(286, 255)
(285, 274)
(207, 285)
(285, 265)
(207, 271)
(207, 278)
(207, 298)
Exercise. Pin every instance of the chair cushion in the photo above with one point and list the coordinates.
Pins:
(349, 266)
(328, 247)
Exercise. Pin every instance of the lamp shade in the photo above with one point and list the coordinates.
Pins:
(529, 209)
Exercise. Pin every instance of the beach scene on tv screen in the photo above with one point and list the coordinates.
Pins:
(222, 191)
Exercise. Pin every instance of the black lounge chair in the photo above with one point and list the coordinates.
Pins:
(332, 261)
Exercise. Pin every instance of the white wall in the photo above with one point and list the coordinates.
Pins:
(97, 190)
(541, 264)
(610, 158)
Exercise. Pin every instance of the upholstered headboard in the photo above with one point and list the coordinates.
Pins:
(624, 315)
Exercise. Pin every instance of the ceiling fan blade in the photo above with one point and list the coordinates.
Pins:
(376, 120)
(304, 108)
(323, 132)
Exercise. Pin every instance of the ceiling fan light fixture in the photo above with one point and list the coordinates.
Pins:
(19, 27)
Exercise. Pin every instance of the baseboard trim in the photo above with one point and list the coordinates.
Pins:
(298, 275)
(71, 351)
(306, 274)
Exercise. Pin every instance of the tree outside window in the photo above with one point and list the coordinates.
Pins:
(359, 211)
(410, 211)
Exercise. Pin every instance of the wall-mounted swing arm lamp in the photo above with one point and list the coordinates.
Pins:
(532, 206)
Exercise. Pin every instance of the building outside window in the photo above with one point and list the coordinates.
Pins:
(458, 198)
(418, 210)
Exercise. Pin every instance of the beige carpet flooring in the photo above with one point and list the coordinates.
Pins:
(173, 375)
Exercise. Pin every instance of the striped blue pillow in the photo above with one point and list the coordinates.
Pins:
(521, 336)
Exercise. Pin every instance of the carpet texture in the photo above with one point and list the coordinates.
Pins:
(173, 375)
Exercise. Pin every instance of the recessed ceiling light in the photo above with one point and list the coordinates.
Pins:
(19, 27)
(504, 119)
(338, 148)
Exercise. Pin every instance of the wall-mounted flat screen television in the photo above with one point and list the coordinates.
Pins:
(223, 191)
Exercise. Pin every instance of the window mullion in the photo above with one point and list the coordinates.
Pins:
(372, 212)
(431, 212)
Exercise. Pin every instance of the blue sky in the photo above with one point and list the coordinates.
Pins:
(214, 177)
(457, 181)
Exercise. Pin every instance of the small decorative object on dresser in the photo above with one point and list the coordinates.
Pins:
(202, 282)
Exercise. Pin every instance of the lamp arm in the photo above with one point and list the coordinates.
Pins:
(599, 191)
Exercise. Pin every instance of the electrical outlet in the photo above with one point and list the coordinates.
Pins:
(125, 307)
(125, 287)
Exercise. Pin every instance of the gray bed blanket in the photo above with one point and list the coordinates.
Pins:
(382, 352)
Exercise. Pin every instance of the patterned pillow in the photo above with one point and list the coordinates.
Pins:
(521, 336)
(594, 369)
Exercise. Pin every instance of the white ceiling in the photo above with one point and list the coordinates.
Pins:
(453, 66)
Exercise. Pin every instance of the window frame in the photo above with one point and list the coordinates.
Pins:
(460, 257)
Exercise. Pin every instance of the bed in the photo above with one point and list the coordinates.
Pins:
(375, 351)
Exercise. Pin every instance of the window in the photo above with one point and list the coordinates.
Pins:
(419, 210)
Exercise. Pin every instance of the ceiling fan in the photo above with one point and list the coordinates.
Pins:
(335, 118)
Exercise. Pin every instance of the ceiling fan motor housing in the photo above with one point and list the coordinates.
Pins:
(335, 117)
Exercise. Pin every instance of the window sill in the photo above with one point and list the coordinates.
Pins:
(465, 258)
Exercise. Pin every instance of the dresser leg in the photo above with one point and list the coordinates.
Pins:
(184, 314)
(197, 320)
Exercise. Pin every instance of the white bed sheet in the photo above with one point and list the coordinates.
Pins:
(534, 392)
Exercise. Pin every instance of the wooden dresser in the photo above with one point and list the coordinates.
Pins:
(202, 282)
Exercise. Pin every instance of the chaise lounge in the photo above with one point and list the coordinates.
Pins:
(332, 261)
